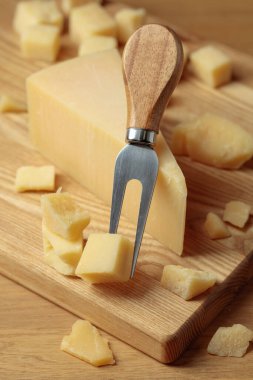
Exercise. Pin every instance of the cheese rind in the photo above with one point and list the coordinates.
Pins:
(106, 258)
(185, 282)
(87, 344)
(94, 44)
(211, 65)
(63, 216)
(213, 140)
(69, 251)
(36, 178)
(215, 227)
(41, 42)
(85, 143)
(128, 21)
(35, 12)
(9, 104)
(237, 213)
(89, 20)
(230, 341)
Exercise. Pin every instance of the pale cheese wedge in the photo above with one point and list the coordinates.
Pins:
(237, 213)
(86, 343)
(128, 21)
(215, 227)
(36, 178)
(84, 137)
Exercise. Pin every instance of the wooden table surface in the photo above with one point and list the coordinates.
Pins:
(31, 328)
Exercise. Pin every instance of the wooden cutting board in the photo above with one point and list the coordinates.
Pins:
(140, 312)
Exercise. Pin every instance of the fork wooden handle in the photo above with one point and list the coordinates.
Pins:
(152, 62)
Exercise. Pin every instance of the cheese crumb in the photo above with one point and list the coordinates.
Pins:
(237, 213)
(87, 344)
(185, 282)
(211, 65)
(215, 227)
(35, 178)
(9, 104)
(230, 341)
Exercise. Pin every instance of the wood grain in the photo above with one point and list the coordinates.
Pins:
(153, 63)
(144, 300)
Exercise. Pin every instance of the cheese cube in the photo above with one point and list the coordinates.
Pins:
(213, 140)
(215, 227)
(74, 135)
(106, 258)
(69, 251)
(186, 283)
(41, 42)
(128, 21)
(35, 12)
(63, 216)
(89, 20)
(55, 261)
(211, 65)
(237, 213)
(94, 44)
(35, 178)
(9, 104)
(87, 344)
(67, 5)
(230, 341)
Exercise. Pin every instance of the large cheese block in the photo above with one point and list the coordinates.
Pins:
(78, 117)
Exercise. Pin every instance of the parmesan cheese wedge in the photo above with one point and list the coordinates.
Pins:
(237, 213)
(84, 137)
(215, 227)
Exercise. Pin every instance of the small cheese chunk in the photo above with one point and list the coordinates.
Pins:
(69, 251)
(94, 44)
(106, 258)
(67, 5)
(237, 213)
(230, 341)
(215, 227)
(63, 216)
(41, 42)
(55, 261)
(29, 13)
(35, 178)
(9, 104)
(213, 140)
(89, 20)
(128, 20)
(211, 65)
(87, 344)
(186, 283)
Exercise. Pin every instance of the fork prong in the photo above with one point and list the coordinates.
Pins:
(146, 197)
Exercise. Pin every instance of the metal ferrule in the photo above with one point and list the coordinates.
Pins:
(141, 136)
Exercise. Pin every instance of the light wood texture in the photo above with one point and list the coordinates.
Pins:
(144, 300)
(153, 63)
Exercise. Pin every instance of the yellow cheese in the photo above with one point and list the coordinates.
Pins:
(106, 258)
(128, 20)
(94, 44)
(213, 140)
(230, 341)
(87, 344)
(67, 5)
(9, 104)
(215, 227)
(35, 178)
(41, 42)
(89, 20)
(77, 119)
(63, 216)
(211, 65)
(186, 283)
(57, 263)
(36, 12)
(69, 251)
(237, 213)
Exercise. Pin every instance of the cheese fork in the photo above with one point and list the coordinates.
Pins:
(152, 66)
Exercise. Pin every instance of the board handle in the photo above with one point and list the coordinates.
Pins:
(152, 63)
